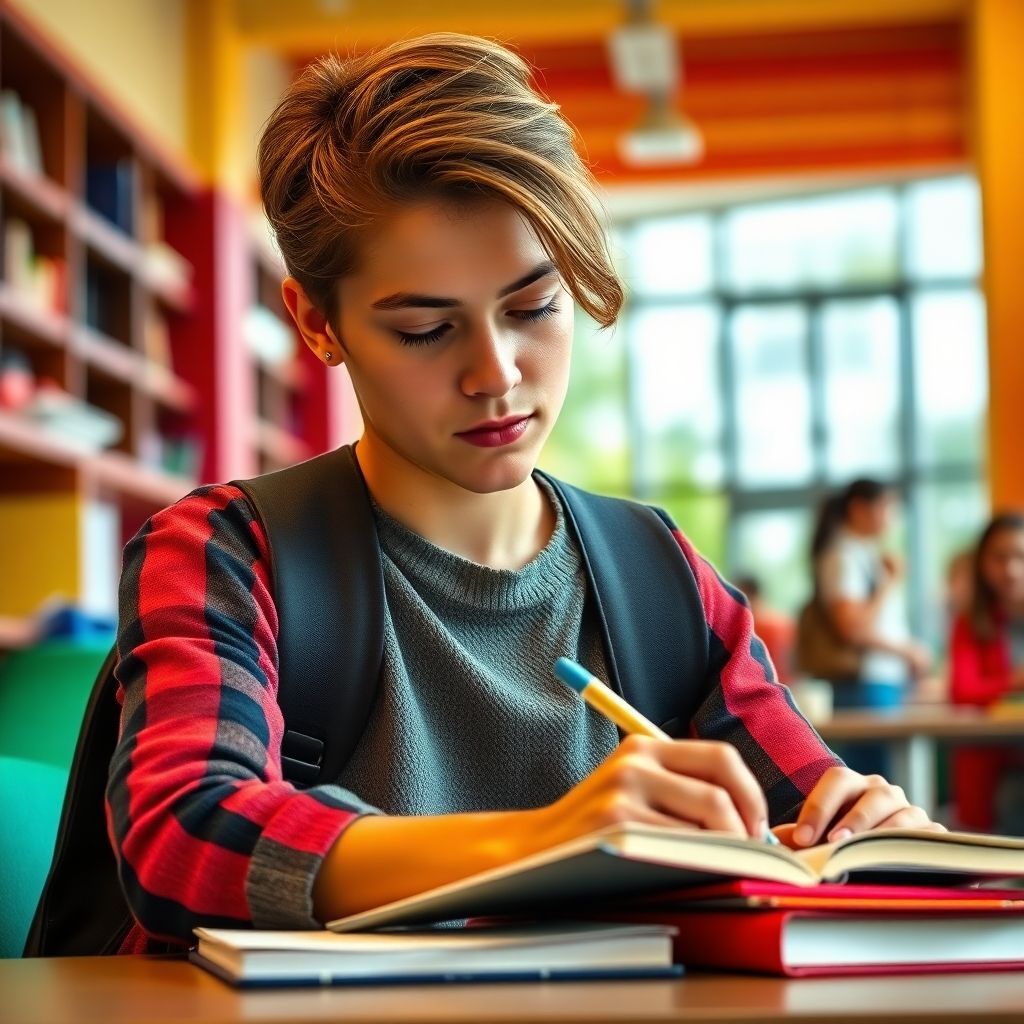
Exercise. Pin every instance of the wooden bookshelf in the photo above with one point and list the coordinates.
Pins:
(96, 306)
(284, 431)
(126, 287)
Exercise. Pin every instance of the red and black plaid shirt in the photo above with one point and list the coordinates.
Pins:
(197, 808)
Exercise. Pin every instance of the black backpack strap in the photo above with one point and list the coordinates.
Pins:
(647, 603)
(75, 917)
(329, 592)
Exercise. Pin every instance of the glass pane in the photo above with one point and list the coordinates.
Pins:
(805, 243)
(952, 517)
(772, 546)
(951, 368)
(671, 256)
(861, 358)
(702, 517)
(590, 442)
(676, 395)
(773, 401)
(944, 229)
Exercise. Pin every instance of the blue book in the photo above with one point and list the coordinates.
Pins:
(110, 192)
(553, 951)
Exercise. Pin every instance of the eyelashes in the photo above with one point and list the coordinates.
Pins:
(530, 315)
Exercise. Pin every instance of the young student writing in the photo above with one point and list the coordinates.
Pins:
(437, 226)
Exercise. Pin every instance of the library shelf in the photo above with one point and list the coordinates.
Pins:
(23, 443)
(33, 323)
(279, 447)
(34, 190)
(131, 367)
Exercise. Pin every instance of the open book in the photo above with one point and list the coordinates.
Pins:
(632, 860)
(554, 951)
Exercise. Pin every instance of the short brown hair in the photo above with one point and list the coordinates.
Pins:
(440, 115)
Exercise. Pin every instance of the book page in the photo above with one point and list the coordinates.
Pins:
(922, 849)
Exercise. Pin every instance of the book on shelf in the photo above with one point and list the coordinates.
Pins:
(110, 191)
(817, 942)
(165, 267)
(632, 860)
(156, 340)
(560, 951)
(19, 133)
(38, 281)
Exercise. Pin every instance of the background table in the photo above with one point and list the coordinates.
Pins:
(118, 990)
(913, 733)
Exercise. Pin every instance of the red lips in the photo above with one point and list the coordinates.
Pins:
(496, 433)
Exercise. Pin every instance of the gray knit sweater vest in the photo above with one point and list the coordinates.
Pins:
(468, 714)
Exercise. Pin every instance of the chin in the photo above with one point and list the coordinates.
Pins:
(497, 474)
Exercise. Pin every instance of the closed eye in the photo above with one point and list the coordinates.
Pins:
(439, 332)
(424, 339)
(535, 314)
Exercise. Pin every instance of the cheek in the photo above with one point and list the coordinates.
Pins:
(555, 349)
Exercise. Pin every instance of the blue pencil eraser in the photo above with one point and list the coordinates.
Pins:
(572, 673)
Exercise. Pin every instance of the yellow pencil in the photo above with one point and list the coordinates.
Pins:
(604, 699)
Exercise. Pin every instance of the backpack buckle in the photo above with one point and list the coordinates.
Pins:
(301, 756)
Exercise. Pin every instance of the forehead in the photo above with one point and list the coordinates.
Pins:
(1008, 540)
(435, 246)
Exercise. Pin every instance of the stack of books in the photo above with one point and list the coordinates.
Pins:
(892, 900)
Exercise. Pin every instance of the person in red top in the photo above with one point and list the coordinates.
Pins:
(987, 666)
(776, 629)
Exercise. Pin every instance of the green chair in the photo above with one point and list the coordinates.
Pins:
(43, 692)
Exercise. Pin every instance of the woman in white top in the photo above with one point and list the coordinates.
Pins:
(858, 585)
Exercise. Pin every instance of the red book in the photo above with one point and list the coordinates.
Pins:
(800, 943)
(752, 893)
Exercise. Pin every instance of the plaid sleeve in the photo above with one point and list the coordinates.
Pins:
(746, 705)
(205, 829)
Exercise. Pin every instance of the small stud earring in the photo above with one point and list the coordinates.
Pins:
(328, 356)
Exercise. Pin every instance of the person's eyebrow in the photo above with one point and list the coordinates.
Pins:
(407, 300)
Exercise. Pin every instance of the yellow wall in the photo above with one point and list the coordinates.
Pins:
(133, 49)
(998, 38)
(39, 550)
(138, 52)
(232, 88)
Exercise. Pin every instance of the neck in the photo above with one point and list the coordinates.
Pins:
(502, 530)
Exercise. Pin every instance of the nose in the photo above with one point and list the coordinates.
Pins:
(491, 366)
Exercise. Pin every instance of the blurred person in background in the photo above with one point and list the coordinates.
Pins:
(959, 584)
(776, 629)
(854, 631)
(986, 651)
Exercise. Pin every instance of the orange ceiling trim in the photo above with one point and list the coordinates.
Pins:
(785, 102)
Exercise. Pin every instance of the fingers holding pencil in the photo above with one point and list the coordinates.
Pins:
(691, 784)
(699, 783)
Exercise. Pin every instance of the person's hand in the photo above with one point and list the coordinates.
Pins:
(918, 659)
(892, 567)
(845, 802)
(694, 784)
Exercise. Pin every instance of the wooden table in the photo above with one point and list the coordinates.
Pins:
(155, 990)
(914, 732)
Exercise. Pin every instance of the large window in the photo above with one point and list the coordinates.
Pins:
(770, 351)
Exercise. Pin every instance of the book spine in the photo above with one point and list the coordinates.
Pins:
(730, 939)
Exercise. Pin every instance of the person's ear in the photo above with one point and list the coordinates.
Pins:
(316, 332)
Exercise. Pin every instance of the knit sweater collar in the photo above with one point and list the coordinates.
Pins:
(460, 581)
